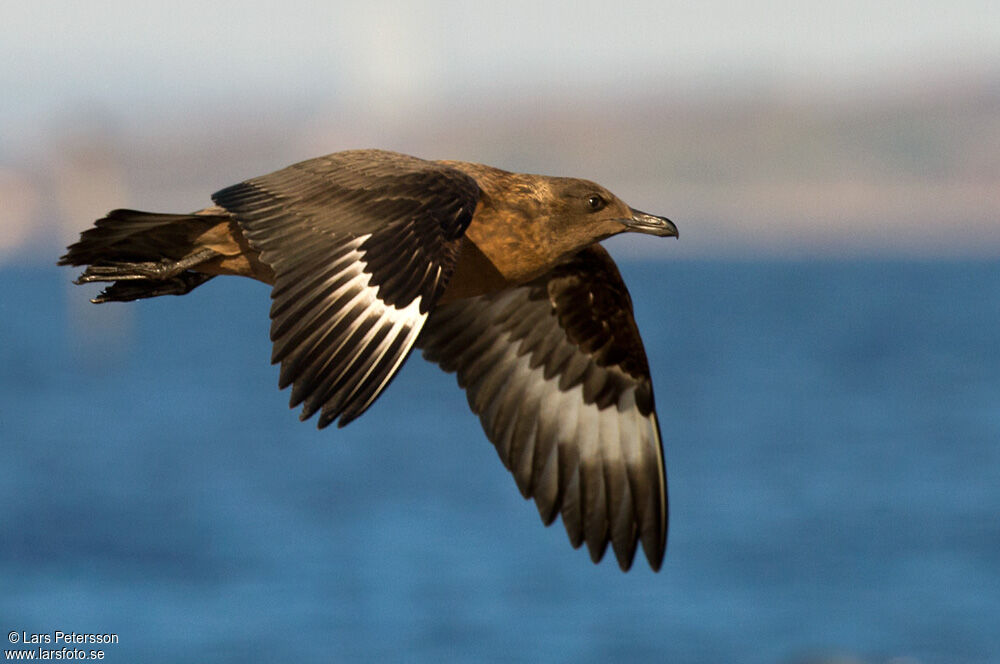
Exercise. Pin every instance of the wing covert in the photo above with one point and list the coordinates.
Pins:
(362, 243)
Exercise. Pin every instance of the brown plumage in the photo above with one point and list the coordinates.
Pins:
(495, 275)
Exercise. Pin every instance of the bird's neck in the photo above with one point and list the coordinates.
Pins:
(512, 238)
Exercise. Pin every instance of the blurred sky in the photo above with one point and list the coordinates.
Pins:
(142, 67)
(58, 52)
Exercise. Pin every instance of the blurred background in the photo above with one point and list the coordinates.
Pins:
(822, 337)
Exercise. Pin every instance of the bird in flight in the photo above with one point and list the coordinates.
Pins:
(497, 276)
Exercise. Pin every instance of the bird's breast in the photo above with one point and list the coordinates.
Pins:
(498, 251)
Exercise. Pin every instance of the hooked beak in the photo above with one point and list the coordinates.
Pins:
(649, 223)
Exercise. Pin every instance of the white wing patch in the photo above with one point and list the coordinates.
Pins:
(601, 468)
(338, 342)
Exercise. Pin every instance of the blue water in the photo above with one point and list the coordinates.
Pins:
(832, 433)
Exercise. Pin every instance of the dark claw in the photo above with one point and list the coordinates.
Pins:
(136, 289)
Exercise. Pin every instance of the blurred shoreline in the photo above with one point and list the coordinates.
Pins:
(909, 173)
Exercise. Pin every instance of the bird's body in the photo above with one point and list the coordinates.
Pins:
(496, 275)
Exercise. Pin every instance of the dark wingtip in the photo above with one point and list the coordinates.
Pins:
(655, 563)
(625, 562)
(655, 550)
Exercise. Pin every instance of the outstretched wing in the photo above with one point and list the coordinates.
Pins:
(362, 244)
(557, 373)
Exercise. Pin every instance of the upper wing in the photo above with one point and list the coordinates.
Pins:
(362, 243)
(556, 371)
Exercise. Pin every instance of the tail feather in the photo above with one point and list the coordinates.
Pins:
(143, 254)
(131, 235)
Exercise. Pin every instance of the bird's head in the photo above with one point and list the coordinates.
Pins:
(587, 212)
(526, 223)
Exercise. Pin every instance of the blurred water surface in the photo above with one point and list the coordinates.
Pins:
(832, 432)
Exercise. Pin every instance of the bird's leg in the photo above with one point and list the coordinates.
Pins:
(127, 291)
(163, 269)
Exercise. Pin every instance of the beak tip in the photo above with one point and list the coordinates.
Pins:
(643, 222)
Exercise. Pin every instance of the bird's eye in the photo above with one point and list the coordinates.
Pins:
(595, 202)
